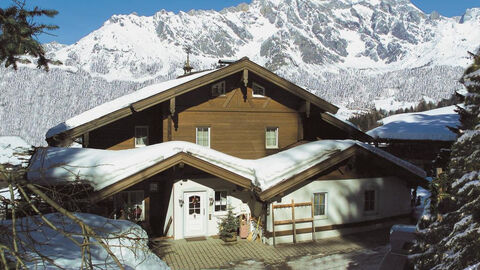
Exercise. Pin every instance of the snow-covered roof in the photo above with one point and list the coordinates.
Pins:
(120, 103)
(102, 168)
(427, 125)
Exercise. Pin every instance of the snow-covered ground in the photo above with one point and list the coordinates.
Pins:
(427, 125)
(126, 240)
(364, 259)
(14, 151)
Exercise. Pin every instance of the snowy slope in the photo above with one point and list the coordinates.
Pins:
(351, 53)
(427, 125)
(128, 241)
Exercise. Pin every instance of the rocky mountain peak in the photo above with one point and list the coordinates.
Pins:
(350, 52)
(471, 14)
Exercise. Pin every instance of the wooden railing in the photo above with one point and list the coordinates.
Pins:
(293, 221)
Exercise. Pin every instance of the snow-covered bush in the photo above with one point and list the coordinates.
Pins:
(41, 247)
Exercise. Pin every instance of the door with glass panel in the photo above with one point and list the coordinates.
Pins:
(194, 214)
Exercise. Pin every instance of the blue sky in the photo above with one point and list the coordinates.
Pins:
(77, 18)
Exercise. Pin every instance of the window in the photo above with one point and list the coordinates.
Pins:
(153, 187)
(220, 201)
(130, 205)
(271, 138)
(320, 204)
(203, 136)
(141, 136)
(258, 90)
(369, 200)
(218, 89)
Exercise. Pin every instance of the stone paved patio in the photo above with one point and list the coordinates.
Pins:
(214, 253)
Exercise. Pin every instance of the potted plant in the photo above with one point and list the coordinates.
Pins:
(228, 227)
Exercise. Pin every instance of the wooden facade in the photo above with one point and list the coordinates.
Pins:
(237, 120)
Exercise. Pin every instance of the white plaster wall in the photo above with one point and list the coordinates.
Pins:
(236, 198)
(345, 204)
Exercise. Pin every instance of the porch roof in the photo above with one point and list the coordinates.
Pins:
(109, 171)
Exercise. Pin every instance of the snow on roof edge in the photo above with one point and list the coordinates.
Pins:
(102, 168)
(398, 161)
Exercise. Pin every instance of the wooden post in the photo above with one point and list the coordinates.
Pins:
(293, 223)
(245, 77)
(169, 128)
(307, 108)
(273, 222)
(86, 138)
(313, 222)
(171, 110)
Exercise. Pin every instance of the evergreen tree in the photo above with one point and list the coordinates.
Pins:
(450, 239)
(18, 34)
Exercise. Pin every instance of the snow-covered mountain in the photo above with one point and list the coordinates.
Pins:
(350, 52)
(308, 35)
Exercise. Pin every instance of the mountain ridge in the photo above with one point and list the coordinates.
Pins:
(350, 53)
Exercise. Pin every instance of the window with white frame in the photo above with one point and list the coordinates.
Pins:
(271, 137)
(220, 201)
(258, 90)
(320, 204)
(130, 205)
(369, 204)
(203, 136)
(218, 89)
(141, 136)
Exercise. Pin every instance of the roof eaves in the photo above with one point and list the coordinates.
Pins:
(360, 135)
(304, 175)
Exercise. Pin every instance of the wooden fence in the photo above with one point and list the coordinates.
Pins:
(293, 221)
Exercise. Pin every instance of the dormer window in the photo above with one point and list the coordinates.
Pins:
(258, 90)
(218, 89)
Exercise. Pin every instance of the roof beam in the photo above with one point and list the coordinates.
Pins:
(166, 164)
(308, 173)
(243, 65)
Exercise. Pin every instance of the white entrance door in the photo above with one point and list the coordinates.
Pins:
(195, 218)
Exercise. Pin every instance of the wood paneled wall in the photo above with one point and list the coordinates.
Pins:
(120, 134)
(237, 120)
